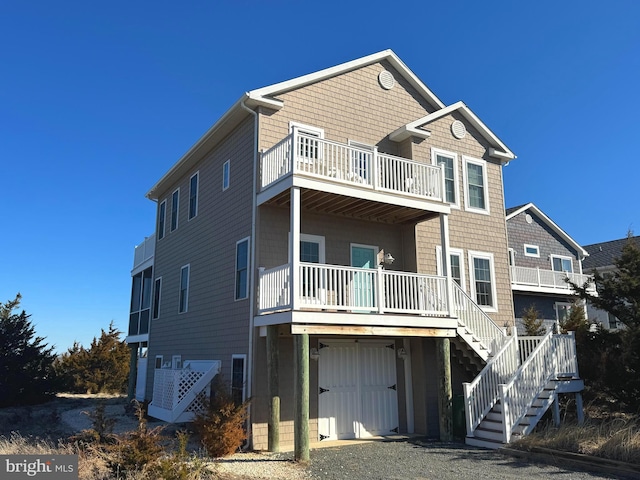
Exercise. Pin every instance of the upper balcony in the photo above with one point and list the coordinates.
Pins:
(143, 254)
(371, 184)
(547, 281)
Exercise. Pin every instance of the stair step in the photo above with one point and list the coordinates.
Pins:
(483, 443)
(488, 434)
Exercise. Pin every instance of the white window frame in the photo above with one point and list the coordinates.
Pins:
(235, 267)
(309, 130)
(456, 182)
(562, 257)
(242, 357)
(226, 175)
(194, 213)
(162, 219)
(452, 251)
(177, 209)
(176, 362)
(512, 257)
(472, 279)
(562, 304)
(306, 237)
(155, 306)
(186, 295)
(483, 164)
(535, 254)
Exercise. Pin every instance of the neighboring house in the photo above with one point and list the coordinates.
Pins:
(602, 257)
(336, 244)
(542, 257)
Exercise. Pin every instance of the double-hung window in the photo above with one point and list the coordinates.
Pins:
(455, 259)
(162, 217)
(476, 192)
(449, 161)
(184, 289)
(483, 285)
(242, 269)
(193, 196)
(226, 174)
(175, 205)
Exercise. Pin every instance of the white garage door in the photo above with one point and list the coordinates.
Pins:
(357, 389)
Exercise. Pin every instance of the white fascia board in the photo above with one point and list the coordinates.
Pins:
(502, 152)
(406, 131)
(310, 78)
(552, 225)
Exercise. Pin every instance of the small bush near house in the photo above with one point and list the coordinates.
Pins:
(221, 425)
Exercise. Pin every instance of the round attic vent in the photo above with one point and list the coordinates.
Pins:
(458, 129)
(528, 218)
(386, 80)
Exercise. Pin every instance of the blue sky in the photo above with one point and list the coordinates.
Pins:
(99, 99)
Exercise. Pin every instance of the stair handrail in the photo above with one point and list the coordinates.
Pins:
(517, 395)
(482, 326)
(484, 391)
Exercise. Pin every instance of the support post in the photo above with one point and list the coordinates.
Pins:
(133, 371)
(579, 408)
(294, 275)
(301, 397)
(273, 362)
(446, 260)
(556, 411)
(445, 395)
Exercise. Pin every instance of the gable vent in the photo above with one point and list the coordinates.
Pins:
(458, 129)
(386, 80)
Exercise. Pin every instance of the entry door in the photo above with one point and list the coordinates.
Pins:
(363, 286)
(357, 389)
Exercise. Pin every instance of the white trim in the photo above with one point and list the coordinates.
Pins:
(195, 213)
(226, 175)
(176, 362)
(562, 257)
(528, 254)
(235, 268)
(563, 304)
(472, 279)
(319, 239)
(308, 129)
(512, 257)
(456, 175)
(177, 210)
(551, 224)
(162, 226)
(153, 300)
(481, 163)
(375, 249)
(404, 132)
(186, 295)
(243, 357)
(452, 251)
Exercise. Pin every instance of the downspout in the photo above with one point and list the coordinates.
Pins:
(252, 285)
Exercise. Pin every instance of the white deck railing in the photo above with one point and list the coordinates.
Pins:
(341, 163)
(537, 277)
(144, 251)
(482, 394)
(335, 287)
(482, 325)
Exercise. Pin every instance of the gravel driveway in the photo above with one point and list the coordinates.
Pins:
(405, 460)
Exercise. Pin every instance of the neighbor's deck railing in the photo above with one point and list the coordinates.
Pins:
(144, 251)
(341, 163)
(538, 277)
(335, 287)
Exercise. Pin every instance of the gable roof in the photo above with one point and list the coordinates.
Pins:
(498, 150)
(514, 211)
(604, 254)
(266, 97)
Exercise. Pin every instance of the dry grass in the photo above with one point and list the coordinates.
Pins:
(614, 437)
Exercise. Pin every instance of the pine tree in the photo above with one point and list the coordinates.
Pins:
(532, 323)
(103, 367)
(27, 375)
